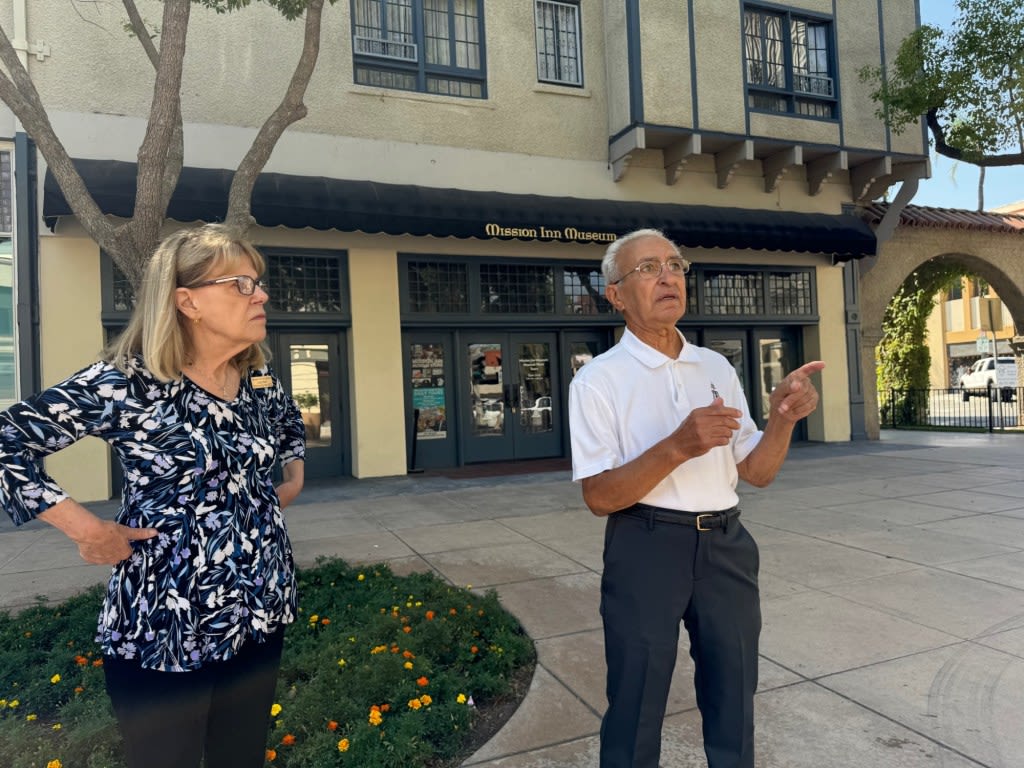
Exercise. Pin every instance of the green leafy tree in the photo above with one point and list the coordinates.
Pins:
(966, 82)
(903, 356)
(131, 242)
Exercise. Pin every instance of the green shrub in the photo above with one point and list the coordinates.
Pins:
(378, 670)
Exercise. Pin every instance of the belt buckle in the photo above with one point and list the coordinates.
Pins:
(700, 527)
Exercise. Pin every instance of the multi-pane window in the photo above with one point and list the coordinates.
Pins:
(432, 46)
(559, 52)
(304, 282)
(789, 63)
(583, 289)
(437, 286)
(516, 288)
(752, 292)
(433, 285)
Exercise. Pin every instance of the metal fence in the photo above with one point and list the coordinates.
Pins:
(992, 409)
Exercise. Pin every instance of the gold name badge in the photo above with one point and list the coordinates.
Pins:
(261, 382)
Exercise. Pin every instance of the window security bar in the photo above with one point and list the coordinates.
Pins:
(385, 49)
(816, 85)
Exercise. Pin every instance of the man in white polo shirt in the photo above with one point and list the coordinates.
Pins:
(660, 434)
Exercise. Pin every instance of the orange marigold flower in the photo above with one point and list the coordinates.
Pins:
(407, 629)
(473, 649)
(426, 699)
(452, 612)
(385, 707)
(414, 704)
(271, 755)
(423, 682)
(395, 649)
(325, 622)
(375, 708)
(79, 689)
(430, 615)
(343, 745)
(55, 764)
(81, 660)
(97, 662)
(409, 654)
(332, 725)
(288, 740)
(375, 717)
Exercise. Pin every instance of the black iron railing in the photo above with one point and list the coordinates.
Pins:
(990, 409)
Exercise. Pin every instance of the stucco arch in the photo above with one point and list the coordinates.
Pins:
(997, 255)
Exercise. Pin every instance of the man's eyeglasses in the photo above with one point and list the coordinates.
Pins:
(246, 285)
(651, 269)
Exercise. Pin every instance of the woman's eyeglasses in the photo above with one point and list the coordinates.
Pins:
(246, 285)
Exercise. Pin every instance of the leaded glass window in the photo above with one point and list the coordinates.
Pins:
(437, 286)
(517, 289)
(583, 289)
(304, 283)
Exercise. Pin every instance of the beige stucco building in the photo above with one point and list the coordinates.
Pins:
(434, 226)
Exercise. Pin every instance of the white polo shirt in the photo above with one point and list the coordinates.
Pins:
(632, 396)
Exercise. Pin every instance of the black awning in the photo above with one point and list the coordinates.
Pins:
(297, 202)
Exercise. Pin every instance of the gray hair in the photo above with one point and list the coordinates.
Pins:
(610, 262)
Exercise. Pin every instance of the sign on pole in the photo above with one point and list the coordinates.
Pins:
(982, 343)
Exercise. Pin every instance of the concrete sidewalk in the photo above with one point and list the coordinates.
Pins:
(892, 579)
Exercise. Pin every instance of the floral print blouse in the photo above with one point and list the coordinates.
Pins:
(198, 469)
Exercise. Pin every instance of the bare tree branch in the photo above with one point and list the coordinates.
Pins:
(19, 93)
(290, 110)
(139, 28)
(164, 115)
(176, 149)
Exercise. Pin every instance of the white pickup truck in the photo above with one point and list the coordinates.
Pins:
(985, 372)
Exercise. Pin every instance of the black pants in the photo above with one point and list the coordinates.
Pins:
(656, 575)
(220, 711)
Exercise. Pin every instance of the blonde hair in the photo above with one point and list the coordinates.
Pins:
(157, 331)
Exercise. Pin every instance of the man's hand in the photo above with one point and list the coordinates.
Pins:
(706, 428)
(796, 396)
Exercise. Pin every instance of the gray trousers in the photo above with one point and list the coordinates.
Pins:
(655, 575)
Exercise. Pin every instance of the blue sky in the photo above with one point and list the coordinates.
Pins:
(955, 185)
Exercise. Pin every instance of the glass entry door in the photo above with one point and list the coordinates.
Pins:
(762, 357)
(308, 365)
(511, 403)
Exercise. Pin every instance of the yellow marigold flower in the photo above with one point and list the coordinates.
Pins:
(13, 704)
(313, 618)
(408, 665)
(461, 698)
(271, 755)
(3, 702)
(57, 726)
(378, 649)
(361, 577)
(375, 717)
(341, 662)
(275, 710)
(31, 717)
(414, 704)
(343, 745)
(55, 679)
(408, 604)
(419, 603)
(427, 701)
(55, 764)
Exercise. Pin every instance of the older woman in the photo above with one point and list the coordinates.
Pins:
(203, 580)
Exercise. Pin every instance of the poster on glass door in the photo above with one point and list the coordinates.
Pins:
(428, 390)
